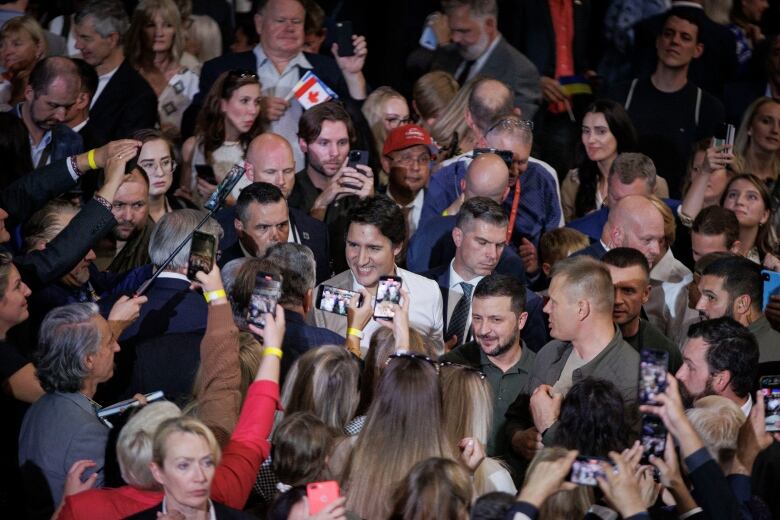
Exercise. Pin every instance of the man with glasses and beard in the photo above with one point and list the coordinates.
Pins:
(498, 317)
(719, 358)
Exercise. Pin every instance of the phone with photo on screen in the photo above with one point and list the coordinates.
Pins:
(268, 289)
(770, 389)
(202, 252)
(388, 292)
(335, 299)
(653, 367)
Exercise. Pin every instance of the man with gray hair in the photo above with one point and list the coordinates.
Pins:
(296, 262)
(124, 102)
(75, 353)
(478, 48)
(172, 307)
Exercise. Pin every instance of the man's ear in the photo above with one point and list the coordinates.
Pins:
(583, 309)
(546, 269)
(238, 225)
(699, 50)
(735, 247)
(721, 381)
(457, 236)
(385, 163)
(646, 293)
(303, 145)
(521, 320)
(742, 304)
(307, 300)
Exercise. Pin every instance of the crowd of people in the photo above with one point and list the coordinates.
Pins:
(298, 259)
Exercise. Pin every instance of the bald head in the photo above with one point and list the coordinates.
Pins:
(489, 100)
(635, 222)
(271, 156)
(487, 176)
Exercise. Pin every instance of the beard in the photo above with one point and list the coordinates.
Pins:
(502, 347)
(688, 399)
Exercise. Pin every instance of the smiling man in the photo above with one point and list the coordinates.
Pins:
(375, 236)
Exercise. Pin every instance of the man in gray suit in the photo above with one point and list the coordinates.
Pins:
(76, 350)
(479, 49)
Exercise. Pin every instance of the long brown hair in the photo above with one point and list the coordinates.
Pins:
(403, 427)
(766, 240)
(211, 120)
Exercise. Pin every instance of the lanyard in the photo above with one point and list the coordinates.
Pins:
(513, 214)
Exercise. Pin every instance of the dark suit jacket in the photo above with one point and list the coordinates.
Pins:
(535, 331)
(64, 141)
(505, 64)
(127, 104)
(311, 232)
(595, 250)
(154, 358)
(323, 66)
(29, 193)
(222, 513)
(299, 338)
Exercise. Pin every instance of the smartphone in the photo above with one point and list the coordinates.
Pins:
(356, 157)
(206, 172)
(771, 284)
(770, 388)
(202, 252)
(320, 494)
(653, 366)
(584, 471)
(335, 300)
(653, 438)
(428, 38)
(344, 38)
(268, 289)
(725, 137)
(506, 155)
(387, 293)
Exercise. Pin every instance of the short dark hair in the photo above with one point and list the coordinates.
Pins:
(48, 69)
(732, 347)
(689, 15)
(261, 192)
(717, 220)
(383, 213)
(623, 257)
(502, 285)
(491, 505)
(310, 125)
(481, 208)
(88, 75)
(740, 276)
(704, 262)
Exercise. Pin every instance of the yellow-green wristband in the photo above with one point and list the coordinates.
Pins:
(355, 332)
(272, 351)
(214, 295)
(91, 159)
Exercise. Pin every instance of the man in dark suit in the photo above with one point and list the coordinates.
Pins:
(480, 238)
(296, 262)
(51, 91)
(124, 101)
(479, 49)
(280, 62)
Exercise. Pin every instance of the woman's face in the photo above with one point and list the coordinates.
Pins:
(19, 51)
(600, 144)
(744, 199)
(395, 113)
(765, 128)
(13, 304)
(155, 159)
(159, 33)
(242, 108)
(187, 471)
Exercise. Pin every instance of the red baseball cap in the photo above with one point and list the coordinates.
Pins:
(406, 136)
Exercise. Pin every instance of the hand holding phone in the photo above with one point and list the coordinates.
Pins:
(268, 289)
(653, 367)
(585, 471)
(321, 494)
(653, 438)
(344, 38)
(388, 292)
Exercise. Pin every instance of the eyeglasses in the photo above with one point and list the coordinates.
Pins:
(151, 166)
(408, 160)
(412, 355)
(480, 373)
(508, 123)
(396, 121)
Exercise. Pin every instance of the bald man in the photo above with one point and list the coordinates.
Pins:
(586, 344)
(272, 160)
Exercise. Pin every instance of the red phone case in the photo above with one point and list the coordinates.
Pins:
(321, 494)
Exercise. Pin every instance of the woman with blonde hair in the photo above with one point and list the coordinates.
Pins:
(757, 143)
(384, 109)
(450, 130)
(154, 47)
(22, 45)
(468, 412)
(431, 94)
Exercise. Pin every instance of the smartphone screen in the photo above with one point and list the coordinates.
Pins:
(653, 366)
(653, 437)
(206, 173)
(771, 283)
(266, 293)
(335, 300)
(770, 388)
(202, 252)
(387, 293)
(584, 471)
(320, 494)
(344, 38)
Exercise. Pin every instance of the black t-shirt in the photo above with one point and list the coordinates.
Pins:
(11, 360)
(666, 124)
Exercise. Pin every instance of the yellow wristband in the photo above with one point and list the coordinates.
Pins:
(214, 295)
(444, 213)
(272, 351)
(355, 332)
(91, 159)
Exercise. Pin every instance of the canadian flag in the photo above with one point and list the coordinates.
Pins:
(310, 91)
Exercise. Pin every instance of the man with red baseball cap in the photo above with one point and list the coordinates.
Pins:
(406, 157)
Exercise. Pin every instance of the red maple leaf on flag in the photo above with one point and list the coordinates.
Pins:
(313, 96)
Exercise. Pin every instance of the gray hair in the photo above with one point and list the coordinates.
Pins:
(108, 16)
(173, 229)
(630, 166)
(298, 270)
(477, 7)
(513, 127)
(67, 336)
